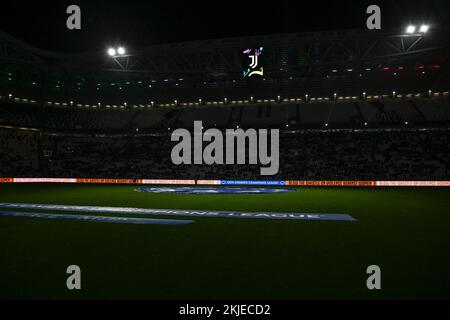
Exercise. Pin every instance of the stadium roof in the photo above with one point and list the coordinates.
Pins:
(347, 61)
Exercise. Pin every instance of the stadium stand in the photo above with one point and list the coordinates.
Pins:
(19, 152)
(345, 114)
(342, 154)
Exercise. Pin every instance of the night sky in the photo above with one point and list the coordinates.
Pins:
(142, 23)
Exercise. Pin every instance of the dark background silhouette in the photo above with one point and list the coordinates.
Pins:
(140, 23)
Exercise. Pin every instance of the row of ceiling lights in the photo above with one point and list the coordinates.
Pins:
(306, 99)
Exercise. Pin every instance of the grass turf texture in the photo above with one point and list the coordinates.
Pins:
(404, 231)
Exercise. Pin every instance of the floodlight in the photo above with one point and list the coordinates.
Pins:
(423, 28)
(112, 52)
(410, 29)
(121, 51)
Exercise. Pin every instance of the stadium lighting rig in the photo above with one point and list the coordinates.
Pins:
(116, 52)
(423, 28)
(411, 29)
(112, 52)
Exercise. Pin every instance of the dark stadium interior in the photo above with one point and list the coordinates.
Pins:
(88, 177)
(351, 105)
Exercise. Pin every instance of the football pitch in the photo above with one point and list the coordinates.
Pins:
(405, 231)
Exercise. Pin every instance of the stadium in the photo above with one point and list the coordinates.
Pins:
(86, 176)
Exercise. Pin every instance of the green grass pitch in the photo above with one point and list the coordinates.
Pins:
(404, 231)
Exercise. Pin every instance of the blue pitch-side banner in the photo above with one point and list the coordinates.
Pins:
(254, 182)
(188, 213)
(214, 190)
(95, 218)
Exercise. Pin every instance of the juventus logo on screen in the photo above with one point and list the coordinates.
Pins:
(253, 62)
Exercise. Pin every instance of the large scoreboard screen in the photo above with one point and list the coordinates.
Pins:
(253, 62)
